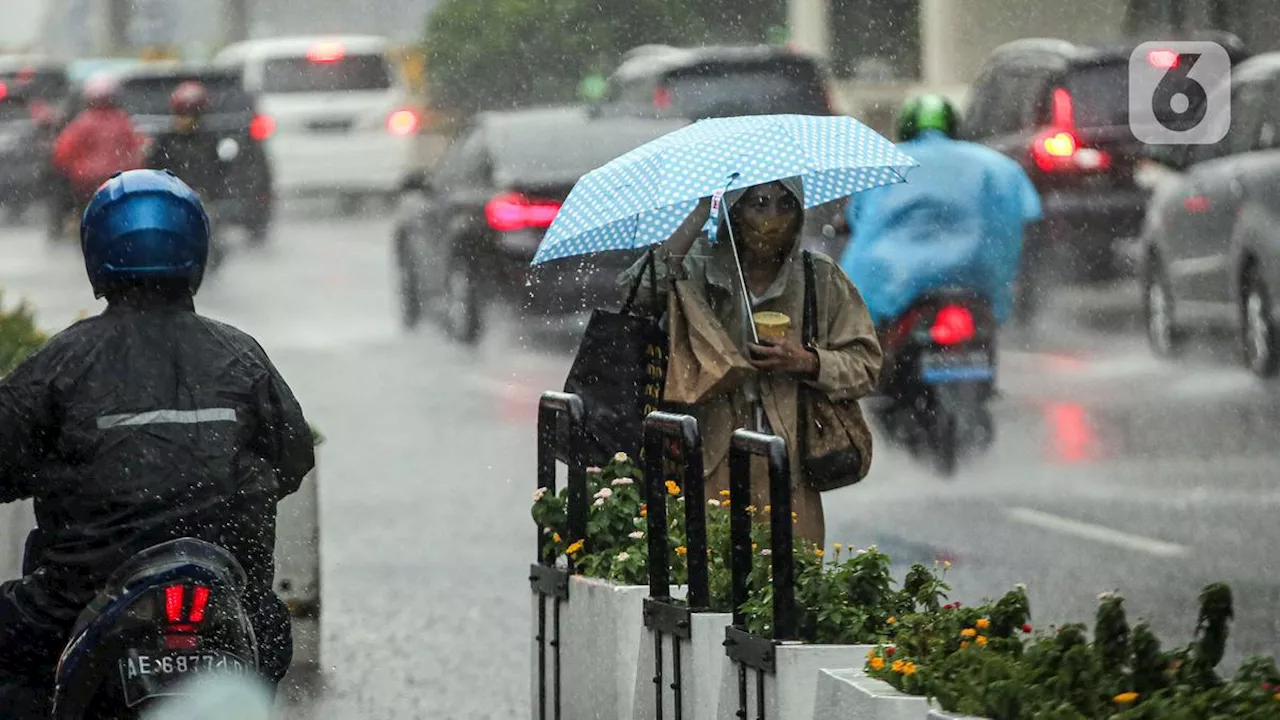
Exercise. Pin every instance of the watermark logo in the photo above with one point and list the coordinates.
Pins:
(1179, 93)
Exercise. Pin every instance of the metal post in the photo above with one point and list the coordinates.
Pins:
(658, 427)
(742, 446)
(656, 517)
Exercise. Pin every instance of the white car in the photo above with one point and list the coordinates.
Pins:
(336, 112)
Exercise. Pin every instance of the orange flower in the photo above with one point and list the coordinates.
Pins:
(983, 624)
(876, 663)
(909, 668)
(968, 633)
(982, 641)
(575, 548)
(964, 645)
(1126, 698)
(644, 511)
(682, 551)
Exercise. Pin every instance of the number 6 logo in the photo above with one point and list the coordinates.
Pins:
(1179, 93)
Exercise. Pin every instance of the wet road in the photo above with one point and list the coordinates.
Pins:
(1111, 471)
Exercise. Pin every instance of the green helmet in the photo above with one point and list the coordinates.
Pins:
(928, 112)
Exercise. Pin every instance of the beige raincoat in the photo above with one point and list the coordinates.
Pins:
(848, 352)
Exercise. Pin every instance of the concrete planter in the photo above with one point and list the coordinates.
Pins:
(937, 714)
(790, 691)
(701, 660)
(851, 695)
(599, 641)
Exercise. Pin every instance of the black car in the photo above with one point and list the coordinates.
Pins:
(231, 127)
(1062, 110)
(707, 82)
(1211, 241)
(31, 93)
(467, 232)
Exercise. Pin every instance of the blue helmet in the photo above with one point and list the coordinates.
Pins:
(144, 226)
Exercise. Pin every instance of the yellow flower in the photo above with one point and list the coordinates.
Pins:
(818, 552)
(555, 537)
(1126, 698)
(768, 508)
(983, 624)
(673, 488)
(724, 493)
(892, 621)
(897, 666)
(876, 663)
(982, 641)
(946, 564)
(682, 551)
(837, 546)
(751, 509)
(1278, 696)
(968, 632)
(576, 547)
(964, 645)
(909, 669)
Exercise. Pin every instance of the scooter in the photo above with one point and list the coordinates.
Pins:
(168, 615)
(940, 379)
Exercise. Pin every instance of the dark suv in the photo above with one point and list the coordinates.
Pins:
(695, 83)
(1062, 111)
(230, 126)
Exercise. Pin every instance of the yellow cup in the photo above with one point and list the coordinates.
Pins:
(771, 325)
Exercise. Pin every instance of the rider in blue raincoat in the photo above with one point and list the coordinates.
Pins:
(957, 221)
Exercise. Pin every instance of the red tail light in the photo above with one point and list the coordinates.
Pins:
(1058, 149)
(4, 90)
(662, 97)
(952, 325)
(403, 122)
(262, 127)
(1163, 59)
(513, 211)
(173, 596)
(326, 52)
(199, 603)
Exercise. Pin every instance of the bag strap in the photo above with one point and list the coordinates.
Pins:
(809, 326)
(650, 264)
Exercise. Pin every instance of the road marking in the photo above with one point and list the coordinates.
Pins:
(1097, 533)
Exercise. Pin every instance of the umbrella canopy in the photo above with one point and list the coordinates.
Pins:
(640, 198)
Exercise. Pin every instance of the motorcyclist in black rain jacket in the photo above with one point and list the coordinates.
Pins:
(143, 424)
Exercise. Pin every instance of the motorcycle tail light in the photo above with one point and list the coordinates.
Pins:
(953, 325)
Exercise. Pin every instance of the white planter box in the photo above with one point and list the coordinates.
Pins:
(851, 695)
(600, 629)
(936, 714)
(701, 660)
(789, 692)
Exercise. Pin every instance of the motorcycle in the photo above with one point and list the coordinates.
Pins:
(940, 377)
(169, 615)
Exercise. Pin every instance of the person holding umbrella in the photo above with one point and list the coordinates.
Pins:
(765, 222)
(762, 334)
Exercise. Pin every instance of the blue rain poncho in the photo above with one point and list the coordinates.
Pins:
(957, 221)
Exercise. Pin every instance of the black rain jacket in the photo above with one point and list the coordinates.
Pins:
(140, 425)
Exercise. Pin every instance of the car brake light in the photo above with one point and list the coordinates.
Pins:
(326, 52)
(262, 127)
(199, 603)
(662, 97)
(1163, 59)
(513, 211)
(403, 122)
(1059, 147)
(952, 325)
(4, 90)
(1197, 204)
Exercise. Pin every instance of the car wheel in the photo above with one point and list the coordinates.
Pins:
(1163, 334)
(1258, 332)
(410, 288)
(461, 303)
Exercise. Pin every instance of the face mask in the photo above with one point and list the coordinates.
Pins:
(771, 226)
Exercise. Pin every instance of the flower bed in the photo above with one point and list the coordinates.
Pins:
(983, 661)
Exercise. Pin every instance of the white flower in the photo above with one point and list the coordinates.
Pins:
(603, 494)
(546, 531)
(1106, 595)
(622, 481)
(766, 552)
(622, 556)
(636, 535)
(713, 503)
(539, 493)
(1020, 586)
(599, 502)
(621, 458)
(593, 470)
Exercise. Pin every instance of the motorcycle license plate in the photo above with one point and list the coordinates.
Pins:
(947, 367)
(148, 675)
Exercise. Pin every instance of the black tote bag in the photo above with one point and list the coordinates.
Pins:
(619, 373)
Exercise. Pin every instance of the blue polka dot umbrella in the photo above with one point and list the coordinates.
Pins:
(640, 198)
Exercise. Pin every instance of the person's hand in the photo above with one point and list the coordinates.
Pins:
(785, 355)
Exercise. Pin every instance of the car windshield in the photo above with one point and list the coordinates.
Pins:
(350, 73)
(150, 96)
(1100, 95)
(724, 90)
